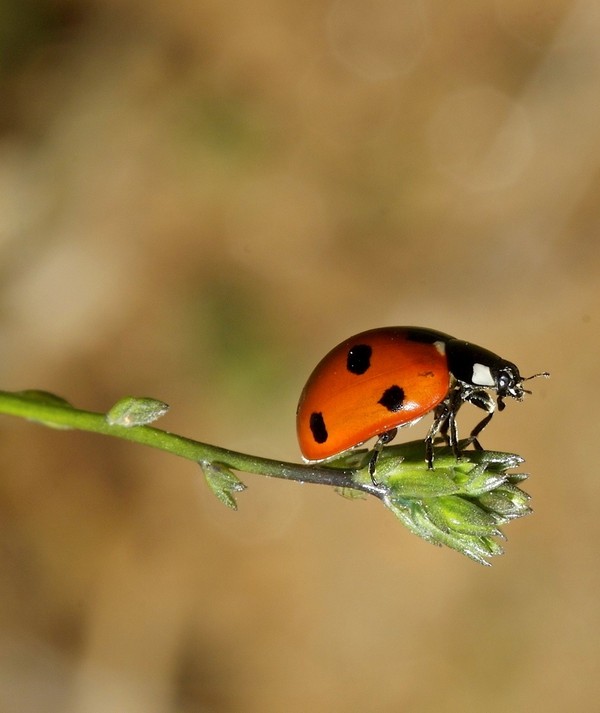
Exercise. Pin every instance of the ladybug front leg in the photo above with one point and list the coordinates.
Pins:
(484, 401)
(445, 418)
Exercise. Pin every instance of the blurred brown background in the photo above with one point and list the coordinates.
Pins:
(197, 201)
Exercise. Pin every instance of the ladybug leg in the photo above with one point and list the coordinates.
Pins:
(484, 401)
(453, 440)
(444, 432)
(442, 414)
(455, 402)
(451, 406)
(383, 439)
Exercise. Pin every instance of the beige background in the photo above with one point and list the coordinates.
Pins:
(197, 200)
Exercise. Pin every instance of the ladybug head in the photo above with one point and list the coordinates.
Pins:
(510, 383)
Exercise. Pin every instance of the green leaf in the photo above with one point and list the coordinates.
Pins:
(45, 398)
(456, 514)
(132, 411)
(422, 483)
(222, 482)
(479, 480)
(415, 517)
(515, 478)
(507, 501)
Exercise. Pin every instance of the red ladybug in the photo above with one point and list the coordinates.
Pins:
(387, 378)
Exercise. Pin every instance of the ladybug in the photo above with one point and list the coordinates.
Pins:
(387, 378)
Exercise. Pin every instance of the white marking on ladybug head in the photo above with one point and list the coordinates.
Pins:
(441, 347)
(482, 376)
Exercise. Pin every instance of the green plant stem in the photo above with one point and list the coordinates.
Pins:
(461, 503)
(59, 414)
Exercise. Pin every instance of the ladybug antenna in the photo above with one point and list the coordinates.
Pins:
(545, 374)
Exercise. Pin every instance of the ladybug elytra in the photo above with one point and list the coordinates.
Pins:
(384, 379)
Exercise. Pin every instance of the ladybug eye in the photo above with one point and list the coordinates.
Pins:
(504, 380)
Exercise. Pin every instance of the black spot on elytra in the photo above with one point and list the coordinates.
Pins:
(317, 427)
(359, 358)
(392, 398)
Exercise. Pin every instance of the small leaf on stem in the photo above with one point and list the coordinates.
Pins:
(222, 481)
(44, 398)
(132, 411)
